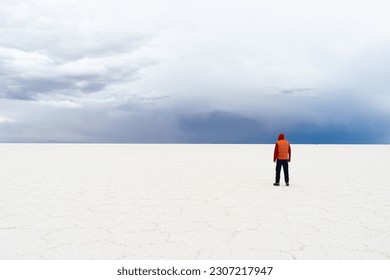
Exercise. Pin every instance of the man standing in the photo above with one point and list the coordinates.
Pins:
(282, 156)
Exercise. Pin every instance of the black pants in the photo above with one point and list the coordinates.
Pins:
(279, 164)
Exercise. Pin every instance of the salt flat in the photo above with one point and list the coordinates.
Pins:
(75, 201)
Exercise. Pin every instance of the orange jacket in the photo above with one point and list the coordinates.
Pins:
(282, 149)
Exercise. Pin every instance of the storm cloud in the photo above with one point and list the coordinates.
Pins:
(194, 71)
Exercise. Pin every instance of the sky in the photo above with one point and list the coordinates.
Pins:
(194, 71)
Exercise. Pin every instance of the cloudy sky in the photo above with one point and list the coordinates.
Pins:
(194, 71)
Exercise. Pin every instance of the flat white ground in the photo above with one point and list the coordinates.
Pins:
(193, 202)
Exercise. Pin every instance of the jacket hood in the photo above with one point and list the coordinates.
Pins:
(281, 136)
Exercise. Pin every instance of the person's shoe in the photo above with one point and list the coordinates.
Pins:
(287, 184)
(276, 184)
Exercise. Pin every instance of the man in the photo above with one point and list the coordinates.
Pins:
(282, 156)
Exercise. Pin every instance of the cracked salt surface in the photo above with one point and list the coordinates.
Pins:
(71, 201)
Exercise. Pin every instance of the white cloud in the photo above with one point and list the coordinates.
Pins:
(80, 68)
(203, 44)
(4, 119)
(24, 63)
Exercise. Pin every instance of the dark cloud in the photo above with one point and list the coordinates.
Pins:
(336, 133)
(147, 123)
(221, 127)
(298, 91)
(28, 89)
(72, 79)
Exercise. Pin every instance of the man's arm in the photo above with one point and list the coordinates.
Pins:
(289, 152)
(276, 152)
